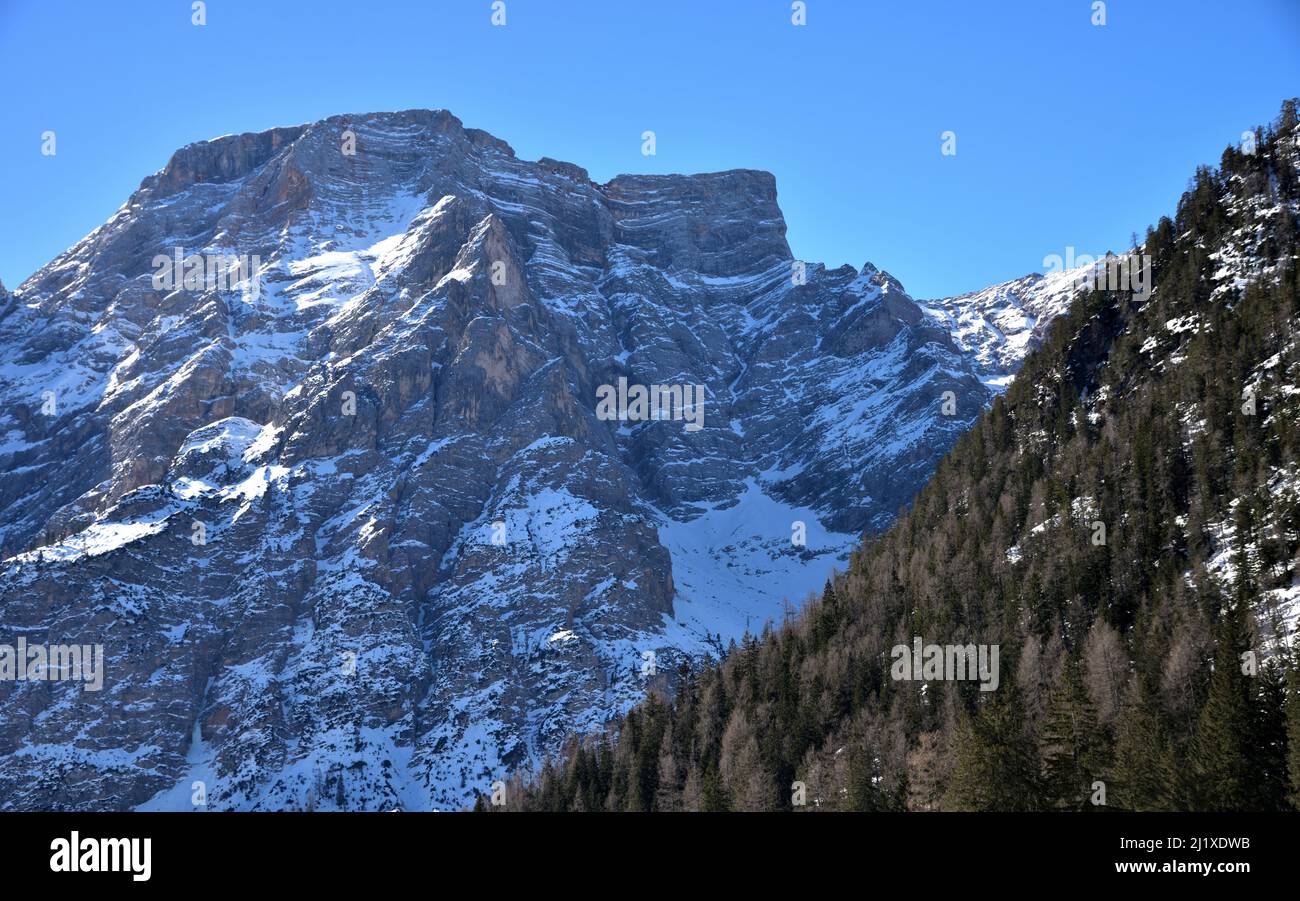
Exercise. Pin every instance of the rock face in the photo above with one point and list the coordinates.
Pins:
(358, 538)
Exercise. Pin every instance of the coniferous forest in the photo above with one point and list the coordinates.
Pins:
(1123, 524)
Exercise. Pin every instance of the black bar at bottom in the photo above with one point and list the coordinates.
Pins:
(299, 850)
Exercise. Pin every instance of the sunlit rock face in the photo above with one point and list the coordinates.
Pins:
(351, 532)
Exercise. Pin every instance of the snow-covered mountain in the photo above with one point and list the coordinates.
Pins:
(999, 325)
(353, 533)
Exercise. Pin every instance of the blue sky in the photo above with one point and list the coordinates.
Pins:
(1068, 134)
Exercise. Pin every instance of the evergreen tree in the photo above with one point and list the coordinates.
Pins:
(1073, 746)
(1221, 750)
(1139, 772)
(997, 766)
(1269, 741)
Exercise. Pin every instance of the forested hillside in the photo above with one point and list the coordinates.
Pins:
(1123, 523)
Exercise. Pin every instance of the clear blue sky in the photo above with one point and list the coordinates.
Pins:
(1067, 133)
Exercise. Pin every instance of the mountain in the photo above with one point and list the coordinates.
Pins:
(309, 437)
(1116, 541)
(1000, 325)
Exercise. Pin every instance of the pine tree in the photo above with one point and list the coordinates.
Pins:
(1270, 738)
(1140, 750)
(713, 797)
(865, 789)
(1221, 749)
(997, 766)
(1074, 751)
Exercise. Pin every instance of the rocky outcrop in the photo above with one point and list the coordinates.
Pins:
(220, 160)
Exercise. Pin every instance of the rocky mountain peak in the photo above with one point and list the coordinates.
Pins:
(718, 223)
(219, 160)
(408, 444)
